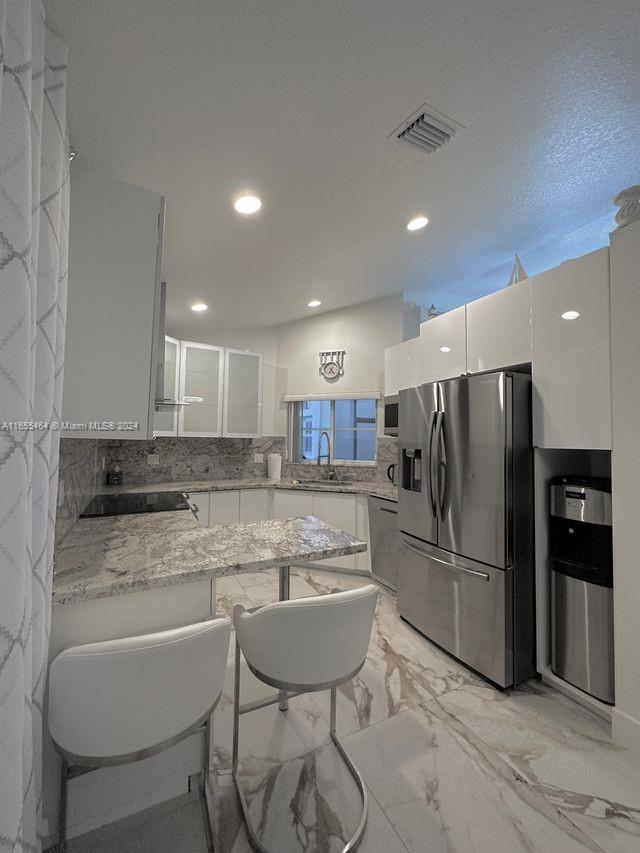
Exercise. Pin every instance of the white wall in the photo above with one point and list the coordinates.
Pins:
(363, 330)
(291, 352)
(625, 476)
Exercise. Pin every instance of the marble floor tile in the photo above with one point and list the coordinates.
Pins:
(402, 671)
(267, 736)
(443, 789)
(246, 579)
(307, 804)
(267, 593)
(228, 594)
(563, 750)
(323, 581)
(452, 763)
(176, 826)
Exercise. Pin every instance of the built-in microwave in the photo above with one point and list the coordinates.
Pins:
(391, 415)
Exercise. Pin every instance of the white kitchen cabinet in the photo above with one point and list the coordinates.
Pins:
(113, 336)
(242, 394)
(202, 501)
(443, 345)
(165, 419)
(499, 329)
(225, 507)
(363, 558)
(254, 505)
(222, 387)
(571, 359)
(290, 503)
(201, 386)
(401, 367)
(340, 511)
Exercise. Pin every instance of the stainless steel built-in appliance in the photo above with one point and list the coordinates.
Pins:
(466, 520)
(582, 584)
(383, 533)
(391, 415)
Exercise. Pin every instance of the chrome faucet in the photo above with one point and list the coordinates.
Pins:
(331, 474)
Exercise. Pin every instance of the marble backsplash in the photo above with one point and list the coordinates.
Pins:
(84, 462)
(78, 479)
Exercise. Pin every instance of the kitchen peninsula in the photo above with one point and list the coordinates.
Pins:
(105, 557)
(131, 574)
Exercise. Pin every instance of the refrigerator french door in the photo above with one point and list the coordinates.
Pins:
(465, 518)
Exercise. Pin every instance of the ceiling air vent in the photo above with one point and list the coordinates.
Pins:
(428, 129)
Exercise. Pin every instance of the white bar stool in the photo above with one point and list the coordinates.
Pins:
(120, 701)
(303, 646)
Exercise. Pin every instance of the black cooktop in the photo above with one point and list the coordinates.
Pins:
(134, 502)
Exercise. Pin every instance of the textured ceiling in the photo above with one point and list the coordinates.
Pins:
(295, 99)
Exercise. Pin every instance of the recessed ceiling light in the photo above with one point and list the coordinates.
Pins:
(570, 315)
(247, 204)
(314, 303)
(199, 306)
(417, 223)
(445, 349)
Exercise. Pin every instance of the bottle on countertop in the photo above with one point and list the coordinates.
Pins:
(114, 474)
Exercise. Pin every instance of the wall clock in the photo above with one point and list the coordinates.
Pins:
(332, 364)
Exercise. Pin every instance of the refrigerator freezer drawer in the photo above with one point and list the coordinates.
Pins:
(463, 606)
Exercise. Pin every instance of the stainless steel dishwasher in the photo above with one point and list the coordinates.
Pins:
(383, 533)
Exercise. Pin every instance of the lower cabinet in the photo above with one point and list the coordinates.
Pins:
(348, 512)
(289, 503)
(254, 505)
(340, 511)
(202, 501)
(225, 508)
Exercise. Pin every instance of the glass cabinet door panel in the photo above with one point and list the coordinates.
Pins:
(243, 393)
(165, 420)
(201, 371)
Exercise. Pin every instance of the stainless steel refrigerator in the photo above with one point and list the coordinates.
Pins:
(465, 500)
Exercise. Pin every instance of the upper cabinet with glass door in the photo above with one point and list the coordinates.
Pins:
(165, 419)
(242, 393)
(218, 392)
(201, 386)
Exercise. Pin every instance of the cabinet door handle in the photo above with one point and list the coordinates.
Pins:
(451, 566)
(390, 511)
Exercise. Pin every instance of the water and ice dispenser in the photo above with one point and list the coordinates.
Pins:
(582, 584)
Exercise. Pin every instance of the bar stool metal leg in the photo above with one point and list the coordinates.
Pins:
(356, 838)
(62, 814)
(285, 595)
(206, 795)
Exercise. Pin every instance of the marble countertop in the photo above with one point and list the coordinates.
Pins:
(103, 557)
(355, 488)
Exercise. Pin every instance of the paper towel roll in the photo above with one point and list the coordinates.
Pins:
(274, 466)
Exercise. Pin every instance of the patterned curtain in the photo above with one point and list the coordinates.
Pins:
(34, 172)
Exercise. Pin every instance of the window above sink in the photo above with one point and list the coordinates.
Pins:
(351, 425)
